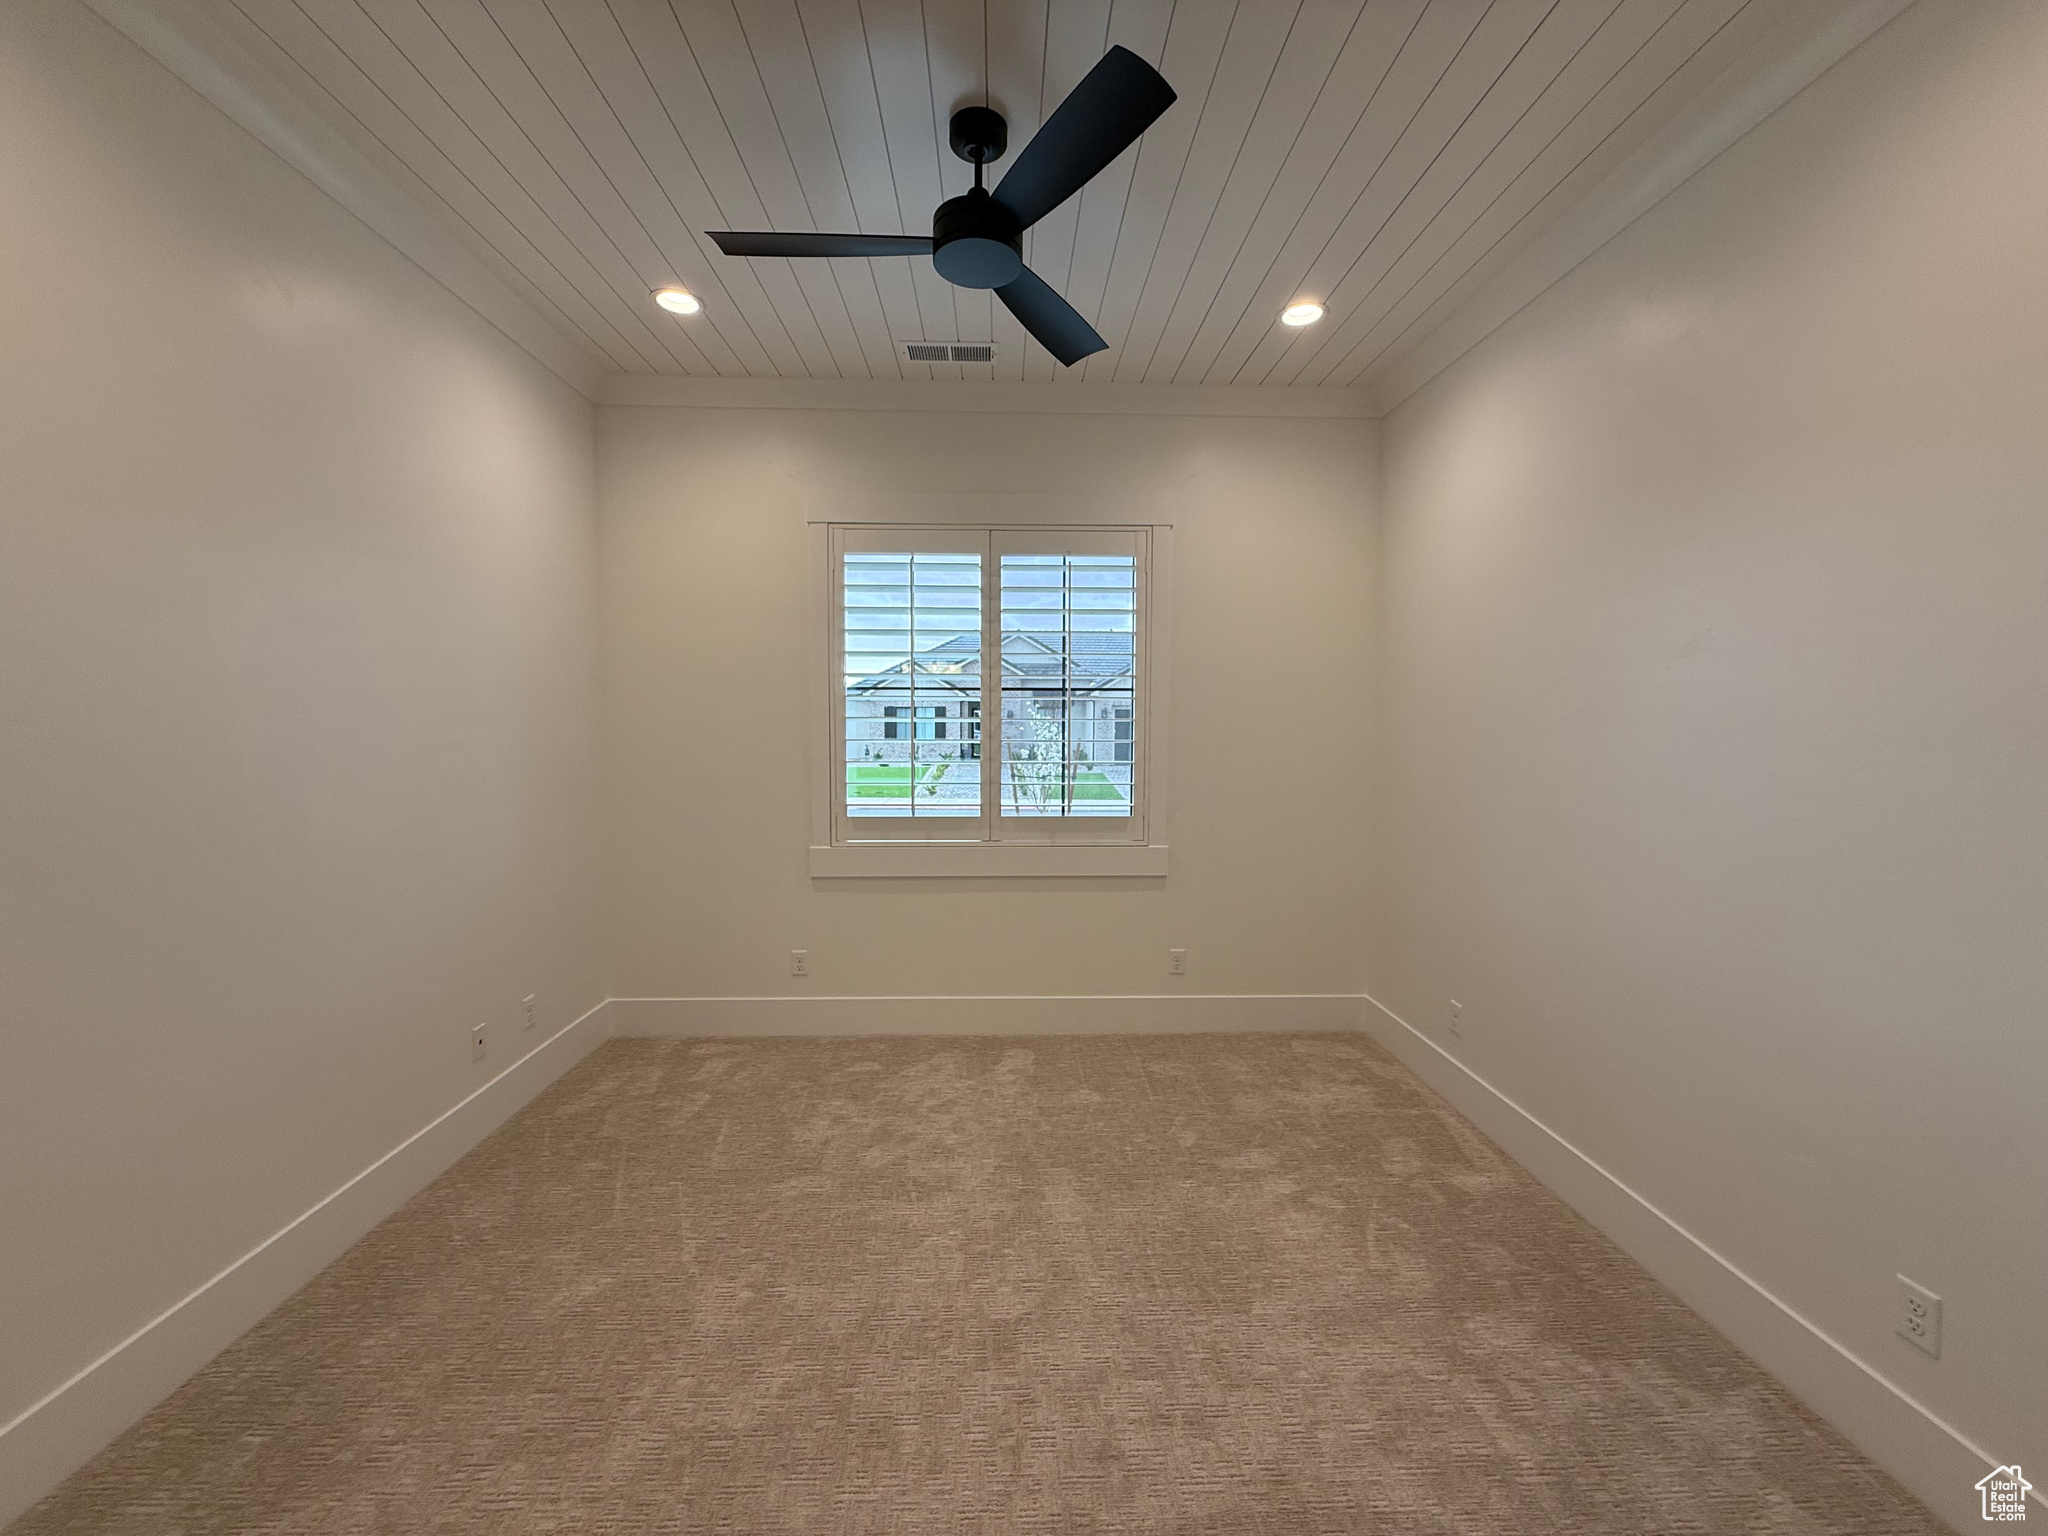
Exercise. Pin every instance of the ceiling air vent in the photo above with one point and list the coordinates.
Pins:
(949, 351)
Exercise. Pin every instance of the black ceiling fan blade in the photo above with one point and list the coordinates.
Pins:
(1102, 117)
(1056, 324)
(764, 242)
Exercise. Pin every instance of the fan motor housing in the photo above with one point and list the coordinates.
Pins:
(976, 242)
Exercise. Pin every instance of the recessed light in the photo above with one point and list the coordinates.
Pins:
(1308, 312)
(678, 301)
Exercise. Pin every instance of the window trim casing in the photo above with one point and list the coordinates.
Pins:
(1142, 852)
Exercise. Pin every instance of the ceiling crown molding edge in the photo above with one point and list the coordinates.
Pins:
(1812, 38)
(196, 49)
(1008, 396)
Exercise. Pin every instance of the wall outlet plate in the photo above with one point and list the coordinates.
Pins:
(476, 1043)
(1176, 962)
(530, 1003)
(799, 962)
(1457, 1018)
(1919, 1316)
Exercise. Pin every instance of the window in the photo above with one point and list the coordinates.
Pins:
(929, 721)
(1029, 642)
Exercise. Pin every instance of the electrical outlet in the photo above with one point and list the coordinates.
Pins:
(476, 1043)
(1176, 962)
(1457, 1019)
(1919, 1317)
(527, 1002)
(799, 962)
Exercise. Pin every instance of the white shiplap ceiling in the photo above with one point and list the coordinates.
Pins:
(1381, 156)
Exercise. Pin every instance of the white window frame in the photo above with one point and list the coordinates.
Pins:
(989, 844)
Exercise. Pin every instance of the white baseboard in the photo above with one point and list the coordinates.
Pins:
(1932, 1458)
(51, 1439)
(1170, 1014)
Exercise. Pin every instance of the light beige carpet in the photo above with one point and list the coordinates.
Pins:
(1164, 1284)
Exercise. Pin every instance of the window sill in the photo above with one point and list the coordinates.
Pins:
(917, 861)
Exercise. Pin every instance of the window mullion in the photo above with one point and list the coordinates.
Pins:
(910, 670)
(1068, 746)
(991, 694)
(837, 775)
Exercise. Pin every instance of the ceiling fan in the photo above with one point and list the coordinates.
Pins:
(977, 239)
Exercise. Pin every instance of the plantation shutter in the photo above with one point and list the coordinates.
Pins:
(1069, 621)
(909, 670)
(988, 684)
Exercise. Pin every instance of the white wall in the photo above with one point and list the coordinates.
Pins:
(1711, 744)
(706, 584)
(1715, 614)
(297, 681)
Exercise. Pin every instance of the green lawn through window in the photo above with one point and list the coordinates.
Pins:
(891, 781)
(1094, 785)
